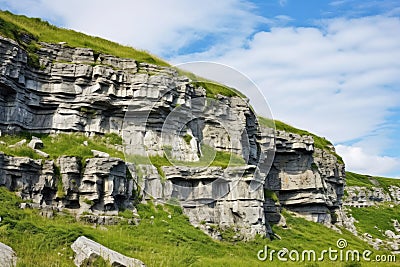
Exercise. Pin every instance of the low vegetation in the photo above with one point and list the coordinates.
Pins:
(383, 216)
(270, 194)
(159, 239)
(209, 157)
(18, 27)
(214, 89)
(62, 144)
(319, 142)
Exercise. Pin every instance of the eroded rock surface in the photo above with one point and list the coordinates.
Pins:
(158, 112)
(307, 180)
(101, 187)
(361, 196)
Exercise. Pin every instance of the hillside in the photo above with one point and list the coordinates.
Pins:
(105, 141)
(377, 196)
(157, 239)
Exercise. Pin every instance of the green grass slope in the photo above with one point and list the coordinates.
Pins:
(15, 26)
(62, 145)
(158, 240)
(375, 220)
(355, 179)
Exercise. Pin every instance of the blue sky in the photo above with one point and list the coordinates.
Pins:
(331, 67)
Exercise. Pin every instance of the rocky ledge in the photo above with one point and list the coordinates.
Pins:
(158, 112)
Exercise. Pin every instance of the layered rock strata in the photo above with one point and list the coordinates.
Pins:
(307, 180)
(159, 113)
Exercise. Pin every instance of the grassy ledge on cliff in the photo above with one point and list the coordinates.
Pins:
(355, 179)
(319, 142)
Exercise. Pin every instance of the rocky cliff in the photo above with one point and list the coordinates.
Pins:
(160, 114)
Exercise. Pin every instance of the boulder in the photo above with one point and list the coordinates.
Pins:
(86, 249)
(36, 143)
(390, 234)
(41, 153)
(18, 144)
(8, 257)
(100, 154)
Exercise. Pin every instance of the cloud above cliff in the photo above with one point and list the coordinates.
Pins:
(340, 80)
(343, 75)
(331, 68)
(365, 163)
(162, 27)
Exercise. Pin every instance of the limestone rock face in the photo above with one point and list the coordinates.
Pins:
(8, 257)
(210, 195)
(86, 249)
(102, 187)
(158, 112)
(152, 106)
(307, 180)
(360, 196)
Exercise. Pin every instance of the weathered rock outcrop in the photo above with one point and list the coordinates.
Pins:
(211, 196)
(158, 112)
(307, 180)
(361, 196)
(89, 250)
(101, 187)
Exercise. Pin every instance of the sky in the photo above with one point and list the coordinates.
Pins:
(329, 66)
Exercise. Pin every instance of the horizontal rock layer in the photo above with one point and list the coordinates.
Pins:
(307, 180)
(361, 196)
(158, 112)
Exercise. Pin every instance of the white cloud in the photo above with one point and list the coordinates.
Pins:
(162, 27)
(339, 79)
(357, 160)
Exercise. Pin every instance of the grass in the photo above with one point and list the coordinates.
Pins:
(270, 194)
(15, 26)
(158, 240)
(382, 219)
(355, 179)
(210, 157)
(319, 142)
(63, 145)
(187, 138)
(214, 89)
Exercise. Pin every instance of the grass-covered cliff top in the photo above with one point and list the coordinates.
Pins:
(355, 179)
(319, 142)
(17, 26)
